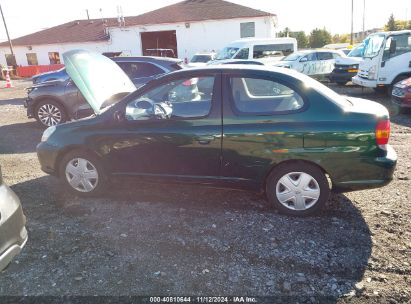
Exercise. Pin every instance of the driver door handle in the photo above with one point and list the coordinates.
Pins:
(205, 140)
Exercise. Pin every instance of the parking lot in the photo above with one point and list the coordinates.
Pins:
(158, 239)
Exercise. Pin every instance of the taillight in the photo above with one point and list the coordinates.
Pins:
(382, 132)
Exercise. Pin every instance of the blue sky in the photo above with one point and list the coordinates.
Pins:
(25, 17)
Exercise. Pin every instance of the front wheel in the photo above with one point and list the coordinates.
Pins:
(50, 113)
(298, 189)
(82, 173)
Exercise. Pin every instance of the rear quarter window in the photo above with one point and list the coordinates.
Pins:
(263, 96)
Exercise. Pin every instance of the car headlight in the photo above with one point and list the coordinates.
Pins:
(371, 72)
(47, 133)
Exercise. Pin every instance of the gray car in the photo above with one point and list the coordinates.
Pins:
(13, 233)
(58, 101)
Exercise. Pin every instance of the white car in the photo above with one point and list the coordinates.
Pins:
(201, 59)
(316, 63)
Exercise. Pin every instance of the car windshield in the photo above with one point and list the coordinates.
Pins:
(293, 56)
(357, 52)
(374, 45)
(227, 53)
(201, 58)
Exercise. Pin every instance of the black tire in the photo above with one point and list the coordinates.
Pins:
(273, 183)
(341, 83)
(95, 162)
(59, 115)
(380, 90)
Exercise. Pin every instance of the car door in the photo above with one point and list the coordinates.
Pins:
(307, 64)
(325, 63)
(185, 145)
(260, 118)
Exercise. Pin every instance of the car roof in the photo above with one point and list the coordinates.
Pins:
(146, 59)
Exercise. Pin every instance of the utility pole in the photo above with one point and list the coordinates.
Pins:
(352, 22)
(88, 17)
(363, 22)
(7, 32)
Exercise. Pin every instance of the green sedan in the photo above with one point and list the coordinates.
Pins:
(250, 127)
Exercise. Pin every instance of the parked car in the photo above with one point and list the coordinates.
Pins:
(201, 59)
(315, 63)
(49, 76)
(57, 101)
(401, 94)
(236, 61)
(249, 127)
(13, 233)
(347, 67)
(265, 49)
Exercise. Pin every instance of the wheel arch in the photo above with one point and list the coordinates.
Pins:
(39, 99)
(73, 148)
(400, 76)
(288, 161)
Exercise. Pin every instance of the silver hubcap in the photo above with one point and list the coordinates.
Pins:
(297, 191)
(81, 175)
(49, 115)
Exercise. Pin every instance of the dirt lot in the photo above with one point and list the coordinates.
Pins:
(145, 239)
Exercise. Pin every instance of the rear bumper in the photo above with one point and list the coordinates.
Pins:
(13, 233)
(372, 173)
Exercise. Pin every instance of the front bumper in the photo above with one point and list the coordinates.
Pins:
(341, 76)
(364, 82)
(47, 155)
(371, 173)
(28, 104)
(13, 233)
(402, 102)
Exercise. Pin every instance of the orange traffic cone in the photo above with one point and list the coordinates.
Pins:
(8, 81)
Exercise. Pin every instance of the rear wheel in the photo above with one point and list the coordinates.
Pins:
(82, 173)
(298, 188)
(50, 113)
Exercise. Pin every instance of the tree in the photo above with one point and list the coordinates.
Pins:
(344, 38)
(391, 24)
(319, 38)
(302, 40)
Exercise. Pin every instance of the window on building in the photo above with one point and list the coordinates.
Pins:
(32, 59)
(11, 60)
(54, 58)
(247, 29)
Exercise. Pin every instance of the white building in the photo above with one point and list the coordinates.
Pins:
(186, 28)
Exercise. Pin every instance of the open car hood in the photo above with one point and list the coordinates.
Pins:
(97, 77)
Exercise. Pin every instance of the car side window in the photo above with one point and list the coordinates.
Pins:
(324, 56)
(188, 98)
(311, 57)
(242, 54)
(140, 69)
(263, 96)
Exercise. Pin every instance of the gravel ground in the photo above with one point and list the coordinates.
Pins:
(145, 239)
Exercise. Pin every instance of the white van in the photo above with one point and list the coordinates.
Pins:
(265, 49)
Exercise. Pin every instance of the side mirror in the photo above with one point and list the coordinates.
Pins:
(393, 46)
(140, 110)
(304, 59)
(119, 116)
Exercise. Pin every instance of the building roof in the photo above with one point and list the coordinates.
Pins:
(95, 29)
